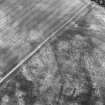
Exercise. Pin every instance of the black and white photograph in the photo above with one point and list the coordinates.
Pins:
(52, 52)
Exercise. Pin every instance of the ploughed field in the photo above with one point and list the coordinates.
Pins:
(68, 70)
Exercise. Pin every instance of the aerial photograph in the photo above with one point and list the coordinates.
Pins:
(52, 52)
